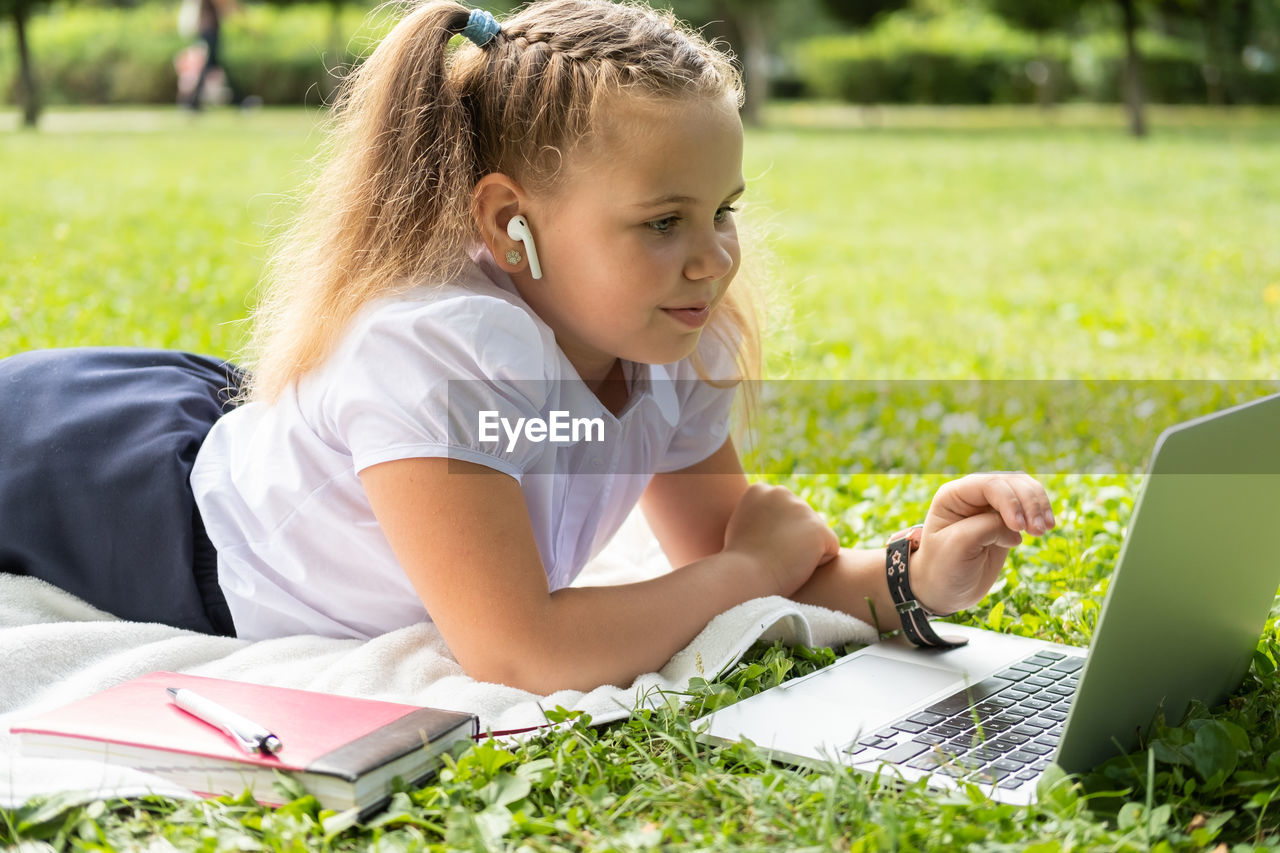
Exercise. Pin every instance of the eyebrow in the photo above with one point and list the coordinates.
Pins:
(683, 199)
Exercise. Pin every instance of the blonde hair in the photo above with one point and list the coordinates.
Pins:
(418, 124)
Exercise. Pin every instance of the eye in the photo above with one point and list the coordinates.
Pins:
(723, 213)
(663, 225)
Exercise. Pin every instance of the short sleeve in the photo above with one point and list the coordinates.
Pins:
(705, 409)
(424, 378)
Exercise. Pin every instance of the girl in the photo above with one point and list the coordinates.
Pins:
(531, 230)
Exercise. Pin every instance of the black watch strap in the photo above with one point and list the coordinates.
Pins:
(915, 619)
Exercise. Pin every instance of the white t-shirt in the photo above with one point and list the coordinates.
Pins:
(299, 549)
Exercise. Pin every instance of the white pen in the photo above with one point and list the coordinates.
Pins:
(247, 734)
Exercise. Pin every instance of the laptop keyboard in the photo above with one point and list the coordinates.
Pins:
(1003, 730)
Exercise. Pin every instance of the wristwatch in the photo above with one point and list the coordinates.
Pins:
(914, 615)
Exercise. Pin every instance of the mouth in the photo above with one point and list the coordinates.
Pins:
(693, 316)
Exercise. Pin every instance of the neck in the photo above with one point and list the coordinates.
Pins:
(608, 384)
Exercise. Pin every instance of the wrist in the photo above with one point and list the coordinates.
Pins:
(920, 587)
(756, 571)
(912, 613)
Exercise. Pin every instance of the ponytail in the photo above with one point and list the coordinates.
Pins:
(390, 206)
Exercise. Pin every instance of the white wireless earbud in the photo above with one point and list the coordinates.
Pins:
(518, 229)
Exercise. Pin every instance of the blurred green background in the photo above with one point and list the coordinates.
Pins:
(859, 51)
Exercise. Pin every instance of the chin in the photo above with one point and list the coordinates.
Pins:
(674, 354)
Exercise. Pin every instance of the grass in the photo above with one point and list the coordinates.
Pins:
(921, 244)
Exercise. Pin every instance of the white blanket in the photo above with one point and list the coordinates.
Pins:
(55, 648)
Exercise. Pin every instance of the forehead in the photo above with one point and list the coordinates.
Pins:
(657, 147)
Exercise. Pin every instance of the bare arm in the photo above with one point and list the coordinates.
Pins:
(971, 525)
(463, 536)
(689, 511)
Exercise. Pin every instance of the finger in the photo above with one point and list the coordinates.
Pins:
(1001, 496)
(830, 548)
(1034, 501)
(833, 543)
(975, 494)
(983, 531)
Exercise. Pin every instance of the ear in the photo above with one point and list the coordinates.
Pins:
(495, 199)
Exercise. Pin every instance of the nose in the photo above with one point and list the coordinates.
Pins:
(712, 257)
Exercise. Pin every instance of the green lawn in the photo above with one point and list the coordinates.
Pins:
(909, 244)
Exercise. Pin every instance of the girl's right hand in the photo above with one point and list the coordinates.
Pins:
(782, 533)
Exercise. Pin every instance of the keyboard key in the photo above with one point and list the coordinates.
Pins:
(1009, 740)
(961, 701)
(1068, 665)
(1056, 716)
(1008, 766)
(947, 730)
(1059, 690)
(1022, 757)
(1048, 740)
(1029, 666)
(1028, 775)
(1012, 674)
(926, 718)
(928, 761)
(1036, 748)
(904, 752)
(1048, 655)
(1042, 765)
(1039, 681)
(1038, 723)
(984, 753)
(931, 738)
(1011, 783)
(910, 727)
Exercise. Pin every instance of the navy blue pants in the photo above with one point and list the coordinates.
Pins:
(96, 449)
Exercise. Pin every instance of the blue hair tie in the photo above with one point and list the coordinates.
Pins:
(481, 27)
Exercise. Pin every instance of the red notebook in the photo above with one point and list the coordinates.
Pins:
(345, 751)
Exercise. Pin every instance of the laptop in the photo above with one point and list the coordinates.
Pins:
(1191, 591)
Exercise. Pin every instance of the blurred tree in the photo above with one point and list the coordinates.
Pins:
(1226, 28)
(337, 47)
(19, 12)
(862, 13)
(749, 23)
(1131, 70)
(747, 26)
(753, 28)
(1134, 96)
(1041, 18)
